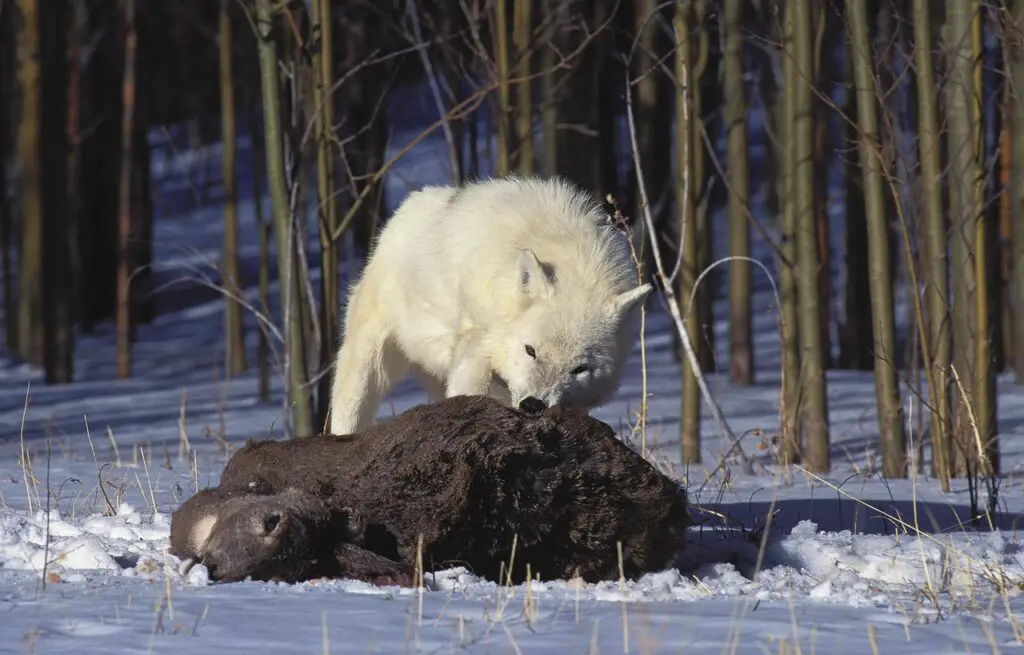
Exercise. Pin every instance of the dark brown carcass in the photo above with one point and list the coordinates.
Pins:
(287, 536)
(476, 479)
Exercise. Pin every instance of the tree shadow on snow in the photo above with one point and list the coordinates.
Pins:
(834, 514)
(712, 541)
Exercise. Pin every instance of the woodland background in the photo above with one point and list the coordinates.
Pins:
(909, 104)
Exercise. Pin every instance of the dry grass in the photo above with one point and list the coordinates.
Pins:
(964, 585)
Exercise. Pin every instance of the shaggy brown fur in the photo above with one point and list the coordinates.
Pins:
(469, 474)
(287, 536)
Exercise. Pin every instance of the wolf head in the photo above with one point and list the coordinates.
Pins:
(569, 343)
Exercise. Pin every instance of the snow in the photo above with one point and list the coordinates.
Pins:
(91, 472)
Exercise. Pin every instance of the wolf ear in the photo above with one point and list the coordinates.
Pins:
(530, 278)
(627, 301)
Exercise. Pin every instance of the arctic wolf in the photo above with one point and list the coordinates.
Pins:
(517, 288)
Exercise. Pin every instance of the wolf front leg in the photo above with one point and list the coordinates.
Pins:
(470, 374)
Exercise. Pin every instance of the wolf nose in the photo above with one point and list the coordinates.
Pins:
(532, 405)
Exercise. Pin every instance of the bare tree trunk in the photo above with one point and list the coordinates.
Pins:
(887, 36)
(549, 104)
(611, 105)
(937, 353)
(364, 154)
(791, 353)
(58, 344)
(524, 113)
(289, 280)
(143, 306)
(768, 87)
(234, 327)
(855, 333)
(8, 82)
(578, 146)
(30, 300)
(75, 46)
(812, 379)
(473, 128)
(126, 261)
(330, 293)
(970, 337)
(823, 78)
(689, 424)
(1017, 229)
(984, 386)
(102, 97)
(653, 123)
(264, 226)
(959, 147)
(1002, 211)
(705, 343)
(504, 163)
(890, 409)
(452, 73)
(6, 247)
(298, 152)
(741, 351)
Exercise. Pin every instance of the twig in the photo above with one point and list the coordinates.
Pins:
(673, 304)
(428, 68)
(46, 539)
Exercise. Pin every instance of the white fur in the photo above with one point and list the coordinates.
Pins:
(462, 279)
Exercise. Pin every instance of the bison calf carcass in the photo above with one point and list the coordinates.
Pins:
(483, 485)
(288, 536)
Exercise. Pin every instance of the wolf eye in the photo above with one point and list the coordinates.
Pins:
(530, 351)
(581, 369)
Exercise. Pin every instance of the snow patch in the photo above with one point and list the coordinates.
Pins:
(97, 542)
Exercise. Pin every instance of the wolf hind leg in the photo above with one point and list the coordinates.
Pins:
(368, 364)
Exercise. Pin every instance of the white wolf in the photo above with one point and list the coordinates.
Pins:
(518, 288)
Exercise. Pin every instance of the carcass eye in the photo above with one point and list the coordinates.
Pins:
(580, 370)
(270, 523)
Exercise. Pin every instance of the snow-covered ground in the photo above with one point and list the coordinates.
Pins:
(843, 569)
